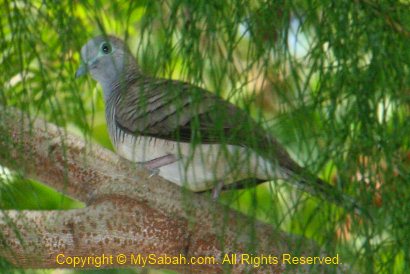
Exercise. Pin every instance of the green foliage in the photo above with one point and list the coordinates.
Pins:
(330, 79)
(20, 193)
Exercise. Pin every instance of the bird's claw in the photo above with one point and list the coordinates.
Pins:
(216, 191)
(153, 172)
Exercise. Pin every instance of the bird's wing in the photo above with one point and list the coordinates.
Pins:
(182, 112)
(173, 110)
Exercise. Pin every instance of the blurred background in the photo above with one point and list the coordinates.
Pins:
(330, 79)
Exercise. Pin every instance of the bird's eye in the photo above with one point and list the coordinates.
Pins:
(106, 48)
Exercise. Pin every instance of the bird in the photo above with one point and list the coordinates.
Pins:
(187, 134)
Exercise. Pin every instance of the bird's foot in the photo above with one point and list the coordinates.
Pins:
(216, 191)
(153, 172)
(154, 165)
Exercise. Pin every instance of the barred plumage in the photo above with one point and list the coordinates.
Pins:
(210, 139)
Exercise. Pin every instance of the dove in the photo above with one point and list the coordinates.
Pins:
(187, 134)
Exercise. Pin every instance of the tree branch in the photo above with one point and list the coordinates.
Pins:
(127, 212)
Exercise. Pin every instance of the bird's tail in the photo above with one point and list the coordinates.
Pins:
(319, 188)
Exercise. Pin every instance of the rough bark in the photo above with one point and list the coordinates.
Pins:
(127, 212)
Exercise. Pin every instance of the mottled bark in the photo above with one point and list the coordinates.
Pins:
(127, 212)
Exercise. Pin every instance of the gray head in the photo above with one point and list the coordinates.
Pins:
(108, 59)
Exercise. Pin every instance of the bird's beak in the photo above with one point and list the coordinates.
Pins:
(82, 70)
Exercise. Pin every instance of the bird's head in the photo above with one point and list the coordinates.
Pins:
(107, 58)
